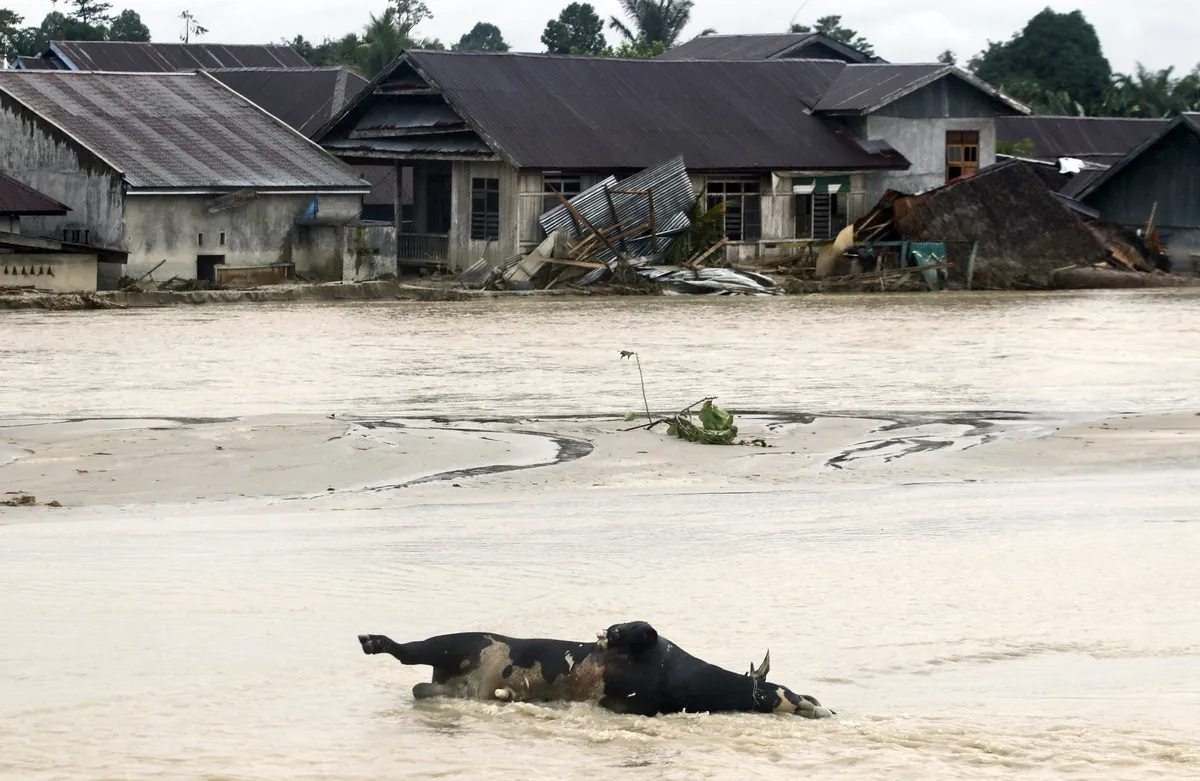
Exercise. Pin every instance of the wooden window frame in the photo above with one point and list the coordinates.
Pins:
(485, 209)
(839, 208)
(743, 216)
(962, 154)
(567, 184)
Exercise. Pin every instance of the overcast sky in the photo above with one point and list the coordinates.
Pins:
(1156, 32)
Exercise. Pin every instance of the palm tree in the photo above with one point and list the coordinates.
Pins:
(659, 21)
(385, 38)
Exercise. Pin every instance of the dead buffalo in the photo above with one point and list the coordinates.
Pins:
(628, 669)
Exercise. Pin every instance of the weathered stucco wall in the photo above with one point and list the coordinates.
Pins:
(47, 160)
(923, 143)
(51, 272)
(10, 223)
(369, 252)
(262, 231)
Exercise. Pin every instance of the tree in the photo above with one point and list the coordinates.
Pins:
(93, 12)
(389, 34)
(127, 26)
(655, 21)
(640, 48)
(56, 27)
(1152, 93)
(577, 30)
(831, 26)
(483, 37)
(191, 28)
(948, 58)
(1060, 52)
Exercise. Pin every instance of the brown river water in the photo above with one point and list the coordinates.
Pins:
(1027, 627)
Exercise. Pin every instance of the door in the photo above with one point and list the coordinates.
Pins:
(206, 267)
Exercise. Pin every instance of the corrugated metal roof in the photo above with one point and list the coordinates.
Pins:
(25, 62)
(178, 131)
(1189, 122)
(305, 98)
(861, 89)
(549, 112)
(759, 47)
(1094, 139)
(167, 57)
(19, 198)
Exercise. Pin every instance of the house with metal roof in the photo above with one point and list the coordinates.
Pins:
(129, 57)
(796, 148)
(1158, 181)
(37, 263)
(1099, 141)
(174, 168)
(768, 46)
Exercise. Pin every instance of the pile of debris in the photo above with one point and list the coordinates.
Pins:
(1001, 229)
(622, 235)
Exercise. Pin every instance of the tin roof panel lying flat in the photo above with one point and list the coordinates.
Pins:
(169, 57)
(176, 131)
(549, 112)
(19, 198)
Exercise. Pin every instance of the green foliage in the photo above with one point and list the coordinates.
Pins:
(716, 426)
(483, 37)
(831, 26)
(128, 26)
(706, 229)
(386, 36)
(577, 30)
(640, 48)
(1022, 148)
(948, 58)
(1060, 53)
(191, 27)
(654, 21)
(10, 24)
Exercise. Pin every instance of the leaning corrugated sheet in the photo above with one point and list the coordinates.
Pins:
(177, 131)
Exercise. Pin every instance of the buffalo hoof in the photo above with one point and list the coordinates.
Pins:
(373, 644)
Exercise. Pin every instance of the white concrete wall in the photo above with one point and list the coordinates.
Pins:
(923, 143)
(167, 227)
(51, 272)
(47, 160)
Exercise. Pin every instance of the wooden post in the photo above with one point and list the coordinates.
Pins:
(612, 208)
(575, 213)
(653, 232)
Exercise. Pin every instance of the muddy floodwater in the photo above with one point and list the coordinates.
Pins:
(975, 534)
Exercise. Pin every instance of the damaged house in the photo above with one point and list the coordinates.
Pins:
(177, 169)
(797, 148)
(1130, 172)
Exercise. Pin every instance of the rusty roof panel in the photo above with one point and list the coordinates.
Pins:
(126, 57)
(305, 98)
(25, 62)
(556, 112)
(1094, 139)
(19, 198)
(176, 131)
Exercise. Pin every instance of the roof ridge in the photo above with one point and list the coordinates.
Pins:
(181, 43)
